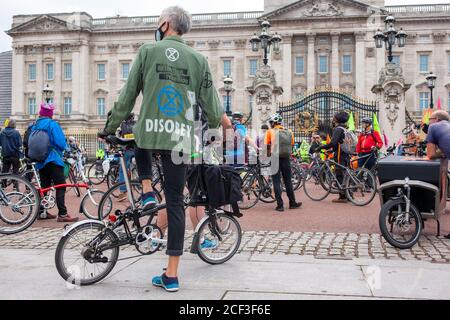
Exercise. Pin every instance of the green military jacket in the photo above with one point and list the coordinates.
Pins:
(173, 79)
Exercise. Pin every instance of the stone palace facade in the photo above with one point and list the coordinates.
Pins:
(330, 43)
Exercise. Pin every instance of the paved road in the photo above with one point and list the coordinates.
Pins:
(31, 274)
(313, 217)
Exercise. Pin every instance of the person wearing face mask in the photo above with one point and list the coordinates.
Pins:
(175, 80)
(369, 141)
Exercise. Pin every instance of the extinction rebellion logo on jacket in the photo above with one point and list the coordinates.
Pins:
(170, 102)
(172, 54)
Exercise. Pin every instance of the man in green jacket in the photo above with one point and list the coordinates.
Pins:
(173, 79)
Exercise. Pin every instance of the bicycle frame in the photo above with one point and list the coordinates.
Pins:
(348, 171)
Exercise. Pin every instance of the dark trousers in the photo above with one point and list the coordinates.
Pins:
(174, 184)
(344, 160)
(285, 171)
(371, 160)
(11, 163)
(53, 174)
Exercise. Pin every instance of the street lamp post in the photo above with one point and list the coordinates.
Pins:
(47, 94)
(390, 37)
(431, 83)
(265, 41)
(228, 82)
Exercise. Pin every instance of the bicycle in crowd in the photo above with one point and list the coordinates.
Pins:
(359, 185)
(108, 170)
(23, 201)
(89, 250)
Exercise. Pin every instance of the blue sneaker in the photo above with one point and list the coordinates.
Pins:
(208, 244)
(149, 201)
(168, 284)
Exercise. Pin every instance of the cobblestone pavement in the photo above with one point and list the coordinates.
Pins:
(320, 245)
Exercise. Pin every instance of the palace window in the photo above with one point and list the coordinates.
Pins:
(448, 58)
(253, 67)
(227, 44)
(424, 60)
(67, 71)
(323, 64)
(396, 60)
(424, 100)
(125, 71)
(101, 107)
(227, 67)
(67, 106)
(31, 106)
(299, 65)
(32, 72)
(50, 72)
(101, 71)
(347, 64)
(49, 50)
(201, 44)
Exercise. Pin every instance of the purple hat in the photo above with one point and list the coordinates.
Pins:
(47, 110)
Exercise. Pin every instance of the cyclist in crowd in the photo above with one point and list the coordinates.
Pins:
(237, 149)
(340, 126)
(368, 141)
(175, 77)
(280, 141)
(51, 165)
(126, 132)
(11, 143)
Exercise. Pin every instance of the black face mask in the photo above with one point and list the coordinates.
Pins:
(159, 34)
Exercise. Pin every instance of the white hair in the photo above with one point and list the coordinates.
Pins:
(179, 19)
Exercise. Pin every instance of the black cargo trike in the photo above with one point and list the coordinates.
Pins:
(412, 191)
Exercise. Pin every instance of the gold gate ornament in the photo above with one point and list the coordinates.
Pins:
(306, 122)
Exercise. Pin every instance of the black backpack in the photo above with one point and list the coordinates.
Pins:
(39, 146)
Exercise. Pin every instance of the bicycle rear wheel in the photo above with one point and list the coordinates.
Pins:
(73, 180)
(251, 192)
(223, 234)
(399, 230)
(361, 187)
(79, 257)
(19, 204)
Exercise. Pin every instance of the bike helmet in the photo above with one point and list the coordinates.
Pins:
(238, 115)
(72, 139)
(276, 118)
(367, 120)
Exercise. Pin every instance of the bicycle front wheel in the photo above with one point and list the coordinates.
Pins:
(360, 187)
(219, 238)
(91, 202)
(400, 229)
(117, 198)
(95, 175)
(19, 204)
(317, 184)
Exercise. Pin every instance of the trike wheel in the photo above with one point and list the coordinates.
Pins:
(399, 230)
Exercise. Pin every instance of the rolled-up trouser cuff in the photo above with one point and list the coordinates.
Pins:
(174, 253)
(142, 178)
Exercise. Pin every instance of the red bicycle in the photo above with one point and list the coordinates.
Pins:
(89, 203)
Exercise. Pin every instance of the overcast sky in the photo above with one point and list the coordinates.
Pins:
(102, 8)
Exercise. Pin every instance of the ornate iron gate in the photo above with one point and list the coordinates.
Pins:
(314, 113)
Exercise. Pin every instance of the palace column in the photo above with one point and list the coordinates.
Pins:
(287, 67)
(19, 72)
(59, 101)
(311, 61)
(360, 65)
(40, 74)
(335, 74)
